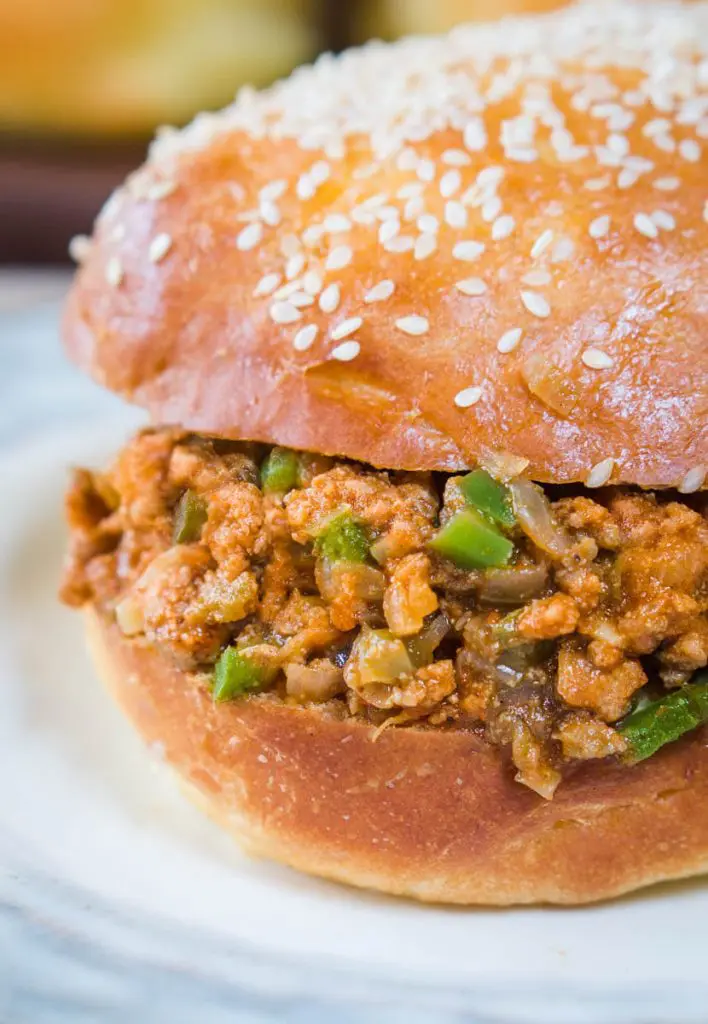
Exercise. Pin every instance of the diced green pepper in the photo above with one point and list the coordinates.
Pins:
(488, 496)
(190, 516)
(471, 542)
(280, 471)
(665, 720)
(237, 673)
(344, 540)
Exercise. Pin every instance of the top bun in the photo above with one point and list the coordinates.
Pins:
(424, 254)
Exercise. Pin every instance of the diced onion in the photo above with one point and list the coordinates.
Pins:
(423, 645)
(512, 586)
(377, 657)
(503, 466)
(604, 631)
(362, 581)
(129, 616)
(317, 682)
(535, 516)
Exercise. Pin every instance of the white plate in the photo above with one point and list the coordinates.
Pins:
(118, 901)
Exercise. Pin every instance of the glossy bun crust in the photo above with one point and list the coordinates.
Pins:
(414, 212)
(427, 813)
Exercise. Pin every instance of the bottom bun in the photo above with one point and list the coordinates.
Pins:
(427, 813)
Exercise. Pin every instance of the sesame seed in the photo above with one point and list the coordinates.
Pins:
(305, 338)
(541, 243)
(362, 216)
(312, 282)
(407, 160)
(450, 183)
(273, 190)
(346, 352)
(161, 190)
(664, 220)
(159, 247)
(380, 292)
(491, 209)
(456, 158)
(537, 278)
(400, 243)
(536, 304)
(249, 237)
(667, 184)
(345, 328)
(112, 206)
(336, 222)
(329, 299)
(376, 201)
(425, 245)
(474, 196)
(79, 248)
(413, 324)
(114, 272)
(295, 266)
(474, 135)
(563, 250)
(599, 227)
(413, 208)
(596, 359)
(320, 172)
(600, 473)
(693, 480)
(626, 178)
(455, 214)
(468, 251)
(284, 313)
(690, 150)
(664, 142)
(305, 187)
(269, 213)
(267, 285)
(426, 170)
(388, 230)
(597, 184)
(471, 286)
(467, 397)
(301, 299)
(490, 177)
(509, 340)
(656, 126)
(340, 257)
(312, 235)
(503, 227)
(387, 212)
(410, 190)
(428, 223)
(286, 290)
(645, 225)
(618, 144)
(527, 155)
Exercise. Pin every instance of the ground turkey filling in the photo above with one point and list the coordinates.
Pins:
(327, 581)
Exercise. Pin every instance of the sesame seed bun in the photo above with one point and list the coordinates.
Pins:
(420, 254)
(427, 813)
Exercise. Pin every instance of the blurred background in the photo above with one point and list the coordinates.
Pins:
(84, 84)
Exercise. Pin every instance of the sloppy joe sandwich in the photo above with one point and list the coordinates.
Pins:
(409, 575)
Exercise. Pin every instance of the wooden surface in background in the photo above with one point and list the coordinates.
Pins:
(50, 192)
